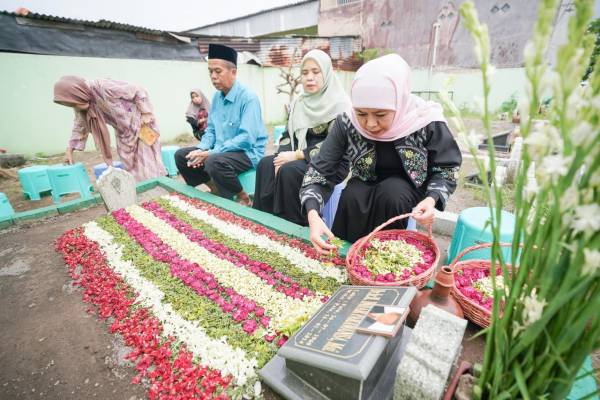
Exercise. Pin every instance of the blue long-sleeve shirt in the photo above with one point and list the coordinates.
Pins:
(235, 124)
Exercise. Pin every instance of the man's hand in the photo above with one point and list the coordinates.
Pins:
(196, 158)
(424, 212)
(317, 230)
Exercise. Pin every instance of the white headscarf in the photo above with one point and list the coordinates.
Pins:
(312, 109)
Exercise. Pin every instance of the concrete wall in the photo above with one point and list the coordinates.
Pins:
(32, 123)
(467, 85)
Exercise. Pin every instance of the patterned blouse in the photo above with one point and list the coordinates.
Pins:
(314, 140)
(430, 157)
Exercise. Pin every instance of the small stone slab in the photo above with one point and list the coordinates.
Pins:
(429, 356)
(117, 188)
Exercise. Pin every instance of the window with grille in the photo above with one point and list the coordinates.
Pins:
(344, 2)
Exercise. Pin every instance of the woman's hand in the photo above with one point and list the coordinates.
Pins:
(284, 157)
(424, 212)
(317, 229)
(68, 156)
(147, 118)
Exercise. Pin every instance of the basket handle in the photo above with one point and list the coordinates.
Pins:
(476, 247)
(386, 223)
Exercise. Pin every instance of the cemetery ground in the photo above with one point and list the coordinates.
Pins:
(51, 348)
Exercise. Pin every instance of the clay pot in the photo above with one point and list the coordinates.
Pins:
(439, 296)
(463, 368)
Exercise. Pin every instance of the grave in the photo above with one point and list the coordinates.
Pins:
(329, 359)
(117, 188)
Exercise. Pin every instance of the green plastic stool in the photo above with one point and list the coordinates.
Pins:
(6, 209)
(248, 181)
(168, 157)
(34, 180)
(472, 228)
(66, 179)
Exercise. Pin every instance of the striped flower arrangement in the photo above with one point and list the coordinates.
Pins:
(202, 296)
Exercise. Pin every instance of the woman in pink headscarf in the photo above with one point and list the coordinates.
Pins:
(123, 106)
(402, 156)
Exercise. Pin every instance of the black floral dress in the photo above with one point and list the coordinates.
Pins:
(387, 178)
(278, 195)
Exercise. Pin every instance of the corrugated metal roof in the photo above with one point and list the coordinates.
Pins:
(103, 24)
(271, 51)
(279, 51)
(253, 14)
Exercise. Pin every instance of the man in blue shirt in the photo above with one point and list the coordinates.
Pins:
(235, 138)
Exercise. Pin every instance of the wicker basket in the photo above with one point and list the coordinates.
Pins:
(393, 234)
(473, 311)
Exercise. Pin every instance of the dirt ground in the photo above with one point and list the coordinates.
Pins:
(51, 348)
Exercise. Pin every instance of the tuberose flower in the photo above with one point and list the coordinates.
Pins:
(532, 308)
(591, 263)
(587, 219)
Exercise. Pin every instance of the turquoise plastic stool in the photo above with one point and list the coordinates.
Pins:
(585, 383)
(66, 179)
(248, 180)
(6, 209)
(168, 157)
(34, 180)
(277, 132)
(100, 168)
(472, 228)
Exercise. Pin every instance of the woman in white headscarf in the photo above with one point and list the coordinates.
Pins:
(402, 155)
(279, 176)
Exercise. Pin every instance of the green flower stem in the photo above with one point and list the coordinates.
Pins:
(550, 321)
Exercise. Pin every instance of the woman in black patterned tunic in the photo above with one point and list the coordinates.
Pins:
(278, 177)
(402, 156)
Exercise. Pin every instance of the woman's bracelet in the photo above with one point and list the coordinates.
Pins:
(299, 155)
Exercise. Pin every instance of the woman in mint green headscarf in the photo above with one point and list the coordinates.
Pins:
(279, 176)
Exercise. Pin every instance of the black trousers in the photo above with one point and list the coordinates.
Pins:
(278, 195)
(222, 168)
(364, 206)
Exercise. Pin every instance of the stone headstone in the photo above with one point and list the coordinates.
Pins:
(430, 355)
(117, 188)
(328, 359)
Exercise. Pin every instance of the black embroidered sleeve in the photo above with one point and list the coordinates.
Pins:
(444, 160)
(319, 131)
(326, 169)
